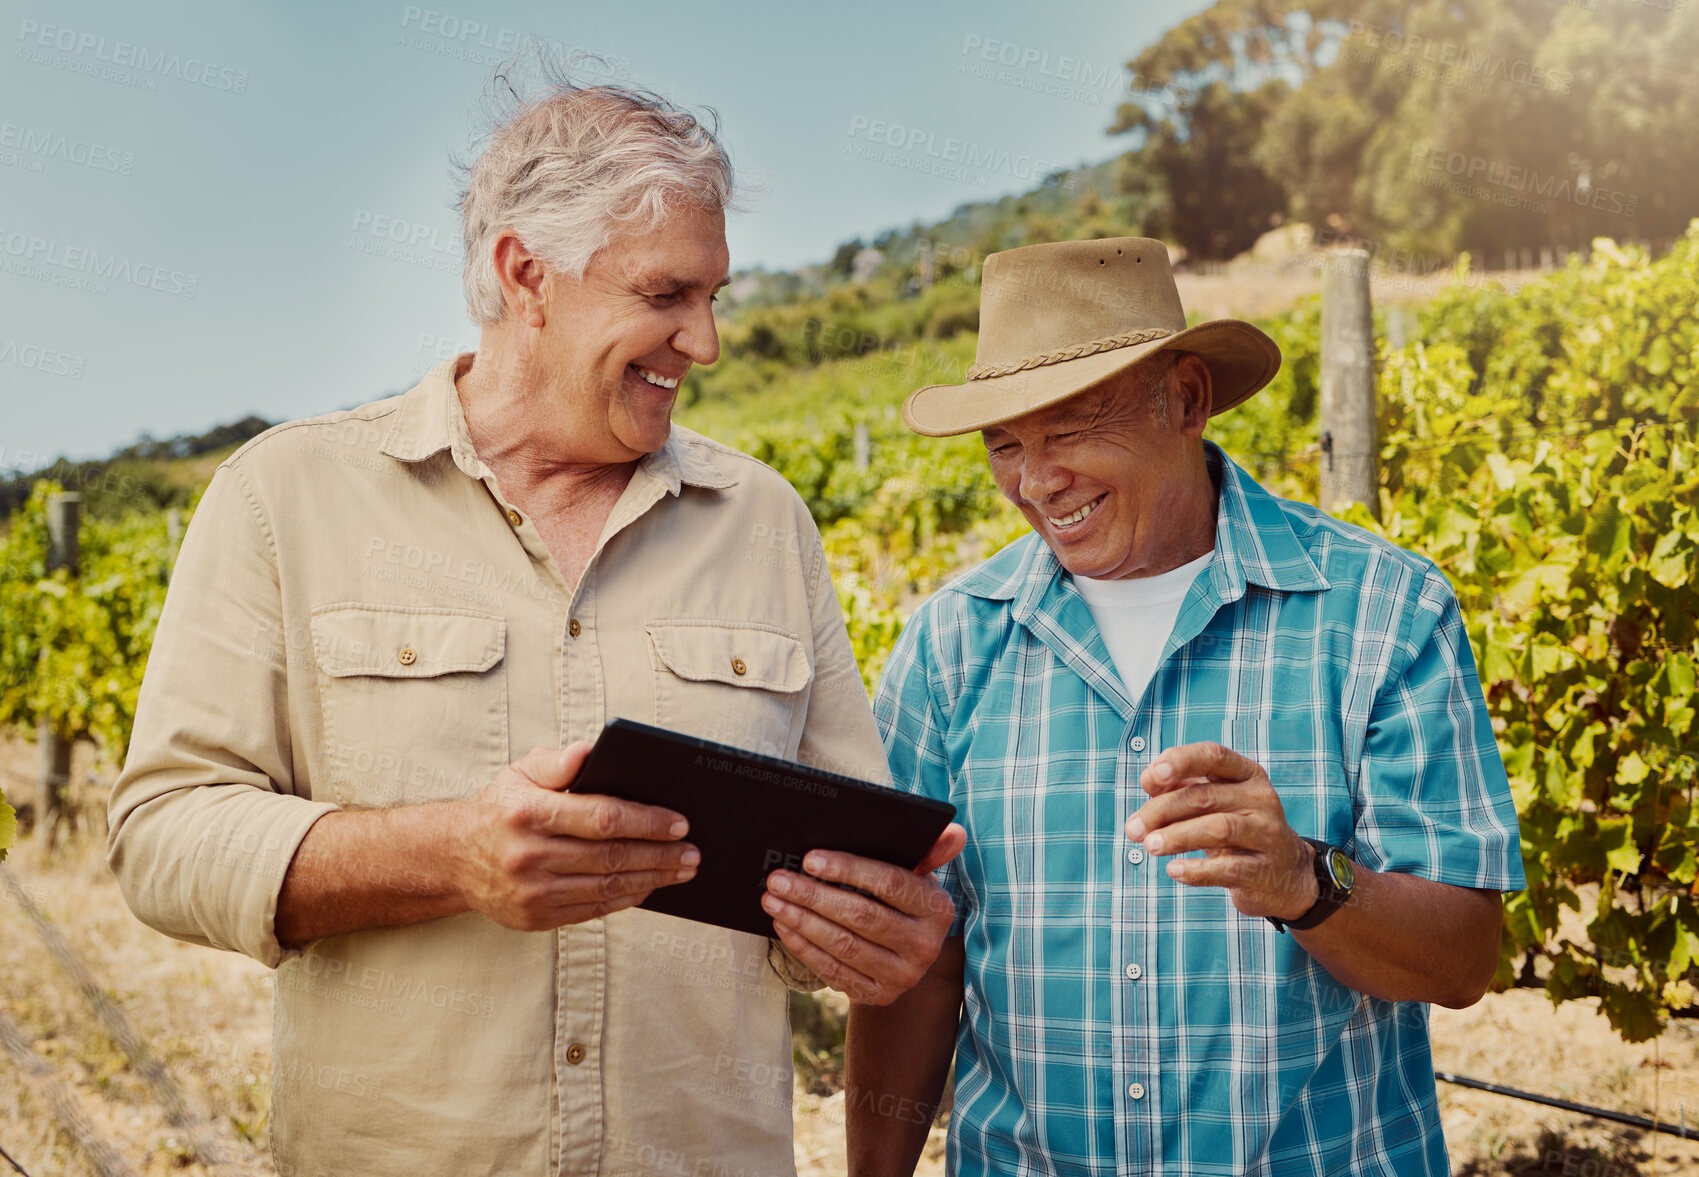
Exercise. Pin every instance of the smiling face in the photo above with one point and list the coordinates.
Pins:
(614, 346)
(1114, 489)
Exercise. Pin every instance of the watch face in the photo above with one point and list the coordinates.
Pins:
(1339, 868)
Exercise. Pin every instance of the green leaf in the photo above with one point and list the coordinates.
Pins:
(8, 827)
(1545, 659)
(1631, 770)
(1546, 580)
(1616, 839)
(1608, 533)
(1563, 787)
(1681, 864)
(1518, 758)
(1633, 1013)
(1503, 475)
(1455, 528)
(1584, 750)
(1497, 660)
(1682, 951)
(1669, 564)
(1679, 670)
(1659, 356)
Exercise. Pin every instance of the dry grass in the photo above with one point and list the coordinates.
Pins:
(204, 1014)
(207, 1016)
(1517, 1039)
(1252, 289)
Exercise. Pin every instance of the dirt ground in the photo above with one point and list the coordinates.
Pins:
(206, 1016)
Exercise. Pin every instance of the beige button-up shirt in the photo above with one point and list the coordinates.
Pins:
(359, 618)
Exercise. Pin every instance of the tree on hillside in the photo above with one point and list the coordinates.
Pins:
(1202, 96)
(1432, 126)
(1217, 198)
(1443, 125)
(845, 257)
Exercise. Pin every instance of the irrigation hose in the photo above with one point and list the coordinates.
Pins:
(1566, 1105)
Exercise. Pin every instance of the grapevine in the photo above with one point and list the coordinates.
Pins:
(1541, 447)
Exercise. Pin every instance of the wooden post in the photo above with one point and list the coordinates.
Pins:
(64, 550)
(64, 543)
(1350, 470)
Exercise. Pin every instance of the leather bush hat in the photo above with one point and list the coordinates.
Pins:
(1057, 319)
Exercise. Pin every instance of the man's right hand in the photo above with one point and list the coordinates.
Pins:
(532, 856)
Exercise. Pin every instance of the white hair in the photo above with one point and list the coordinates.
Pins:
(574, 166)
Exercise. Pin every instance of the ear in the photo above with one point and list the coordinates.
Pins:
(523, 278)
(1194, 390)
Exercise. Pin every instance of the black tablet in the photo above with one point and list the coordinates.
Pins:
(751, 814)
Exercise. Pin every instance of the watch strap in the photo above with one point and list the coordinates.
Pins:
(1329, 896)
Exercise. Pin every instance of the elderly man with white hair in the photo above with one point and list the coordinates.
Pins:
(376, 612)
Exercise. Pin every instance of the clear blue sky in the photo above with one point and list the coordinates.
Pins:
(200, 201)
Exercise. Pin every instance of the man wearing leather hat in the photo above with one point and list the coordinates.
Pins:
(1235, 810)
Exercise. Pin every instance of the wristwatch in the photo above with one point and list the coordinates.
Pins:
(1334, 880)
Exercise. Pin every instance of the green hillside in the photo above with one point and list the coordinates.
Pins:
(147, 475)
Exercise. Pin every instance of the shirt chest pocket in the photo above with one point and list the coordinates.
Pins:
(414, 702)
(738, 683)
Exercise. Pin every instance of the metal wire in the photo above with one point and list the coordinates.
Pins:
(11, 1162)
(1570, 1106)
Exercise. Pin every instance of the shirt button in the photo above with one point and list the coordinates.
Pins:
(573, 628)
(1135, 855)
(1134, 972)
(1136, 1090)
(407, 656)
(514, 517)
(738, 666)
(1137, 744)
(575, 1054)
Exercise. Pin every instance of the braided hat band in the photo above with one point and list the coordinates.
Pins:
(1063, 354)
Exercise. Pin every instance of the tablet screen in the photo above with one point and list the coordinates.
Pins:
(752, 814)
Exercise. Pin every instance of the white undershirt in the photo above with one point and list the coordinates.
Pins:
(1136, 615)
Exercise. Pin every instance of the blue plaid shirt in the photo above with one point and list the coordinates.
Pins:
(1117, 1021)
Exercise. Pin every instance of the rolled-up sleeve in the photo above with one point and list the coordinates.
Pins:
(204, 819)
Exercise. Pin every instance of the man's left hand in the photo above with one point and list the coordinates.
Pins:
(875, 949)
(1210, 798)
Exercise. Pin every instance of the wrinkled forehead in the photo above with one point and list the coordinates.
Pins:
(1078, 410)
(684, 251)
(670, 279)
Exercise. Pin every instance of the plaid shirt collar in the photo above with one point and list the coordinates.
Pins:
(1254, 544)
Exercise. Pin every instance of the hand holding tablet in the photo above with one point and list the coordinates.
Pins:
(751, 815)
(785, 849)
